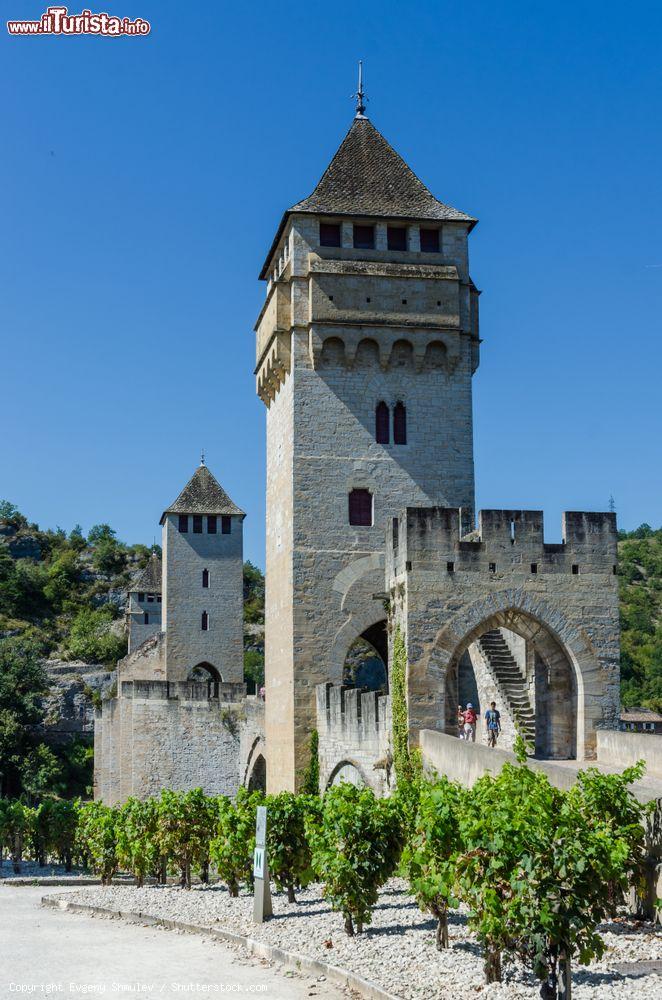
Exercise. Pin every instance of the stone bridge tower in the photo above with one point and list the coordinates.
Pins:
(366, 346)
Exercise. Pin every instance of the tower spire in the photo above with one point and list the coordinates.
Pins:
(202, 457)
(359, 95)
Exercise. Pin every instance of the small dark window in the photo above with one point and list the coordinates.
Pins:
(368, 299)
(183, 523)
(146, 618)
(404, 302)
(450, 567)
(615, 568)
(211, 524)
(396, 534)
(360, 508)
(430, 240)
(492, 567)
(204, 622)
(408, 565)
(400, 424)
(534, 567)
(197, 524)
(381, 423)
(150, 598)
(330, 298)
(438, 302)
(141, 597)
(205, 578)
(329, 234)
(397, 237)
(364, 237)
(158, 598)
(226, 525)
(575, 569)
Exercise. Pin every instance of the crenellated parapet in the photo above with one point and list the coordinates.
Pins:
(354, 730)
(505, 542)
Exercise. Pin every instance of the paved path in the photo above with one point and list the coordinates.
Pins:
(88, 956)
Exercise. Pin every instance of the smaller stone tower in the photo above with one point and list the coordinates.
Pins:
(202, 582)
(143, 610)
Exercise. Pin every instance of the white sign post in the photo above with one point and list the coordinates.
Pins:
(262, 897)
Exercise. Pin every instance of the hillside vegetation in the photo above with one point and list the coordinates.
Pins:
(640, 584)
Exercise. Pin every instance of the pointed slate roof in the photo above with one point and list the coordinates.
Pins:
(367, 177)
(203, 494)
(149, 580)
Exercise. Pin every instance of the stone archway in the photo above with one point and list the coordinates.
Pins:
(366, 661)
(348, 771)
(518, 664)
(526, 614)
(204, 671)
(257, 779)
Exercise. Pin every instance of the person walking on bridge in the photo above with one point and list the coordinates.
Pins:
(470, 718)
(493, 724)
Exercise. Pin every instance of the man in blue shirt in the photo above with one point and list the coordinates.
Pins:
(493, 724)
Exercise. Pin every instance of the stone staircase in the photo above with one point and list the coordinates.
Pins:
(510, 681)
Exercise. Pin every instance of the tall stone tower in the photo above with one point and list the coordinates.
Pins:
(202, 582)
(366, 346)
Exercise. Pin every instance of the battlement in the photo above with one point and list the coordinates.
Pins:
(354, 729)
(505, 541)
(347, 708)
(217, 691)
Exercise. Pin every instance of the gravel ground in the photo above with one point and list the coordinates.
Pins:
(397, 950)
(30, 869)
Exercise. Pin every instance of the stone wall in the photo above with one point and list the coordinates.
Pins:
(159, 735)
(354, 738)
(620, 749)
(447, 589)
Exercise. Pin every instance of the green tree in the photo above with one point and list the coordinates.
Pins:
(356, 844)
(23, 685)
(41, 772)
(310, 784)
(92, 639)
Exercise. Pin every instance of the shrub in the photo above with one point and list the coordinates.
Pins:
(62, 827)
(310, 784)
(355, 846)
(232, 848)
(185, 823)
(98, 827)
(15, 827)
(290, 861)
(91, 637)
(429, 859)
(137, 842)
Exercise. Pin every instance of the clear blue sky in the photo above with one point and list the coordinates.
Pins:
(143, 180)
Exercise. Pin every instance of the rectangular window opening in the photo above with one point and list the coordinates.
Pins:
(330, 234)
(364, 237)
(197, 524)
(204, 623)
(141, 597)
(450, 567)
(211, 524)
(360, 508)
(534, 567)
(396, 534)
(226, 525)
(492, 567)
(575, 569)
(183, 523)
(150, 598)
(429, 240)
(146, 618)
(396, 237)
